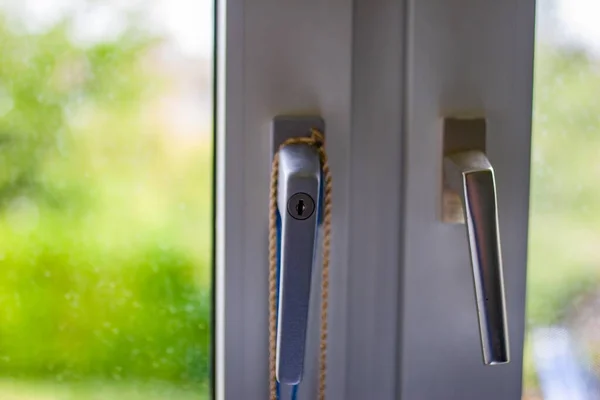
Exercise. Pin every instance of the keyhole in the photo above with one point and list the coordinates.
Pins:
(300, 207)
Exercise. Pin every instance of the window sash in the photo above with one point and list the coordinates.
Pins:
(381, 73)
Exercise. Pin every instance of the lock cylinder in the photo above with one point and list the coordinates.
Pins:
(301, 206)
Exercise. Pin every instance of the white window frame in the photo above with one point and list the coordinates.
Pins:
(381, 73)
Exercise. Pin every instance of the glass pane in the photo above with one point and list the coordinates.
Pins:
(562, 353)
(105, 199)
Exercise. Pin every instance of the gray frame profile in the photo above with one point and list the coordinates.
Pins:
(275, 58)
(382, 74)
(464, 56)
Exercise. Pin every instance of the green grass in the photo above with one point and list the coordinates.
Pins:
(129, 315)
(24, 390)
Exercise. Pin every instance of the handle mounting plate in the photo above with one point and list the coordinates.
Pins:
(285, 127)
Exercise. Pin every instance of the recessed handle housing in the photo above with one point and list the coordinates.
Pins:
(469, 176)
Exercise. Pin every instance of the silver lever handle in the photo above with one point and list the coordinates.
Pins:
(470, 174)
(297, 200)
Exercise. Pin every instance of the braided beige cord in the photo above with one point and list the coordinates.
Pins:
(316, 139)
(273, 277)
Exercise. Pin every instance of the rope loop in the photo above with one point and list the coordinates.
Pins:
(317, 140)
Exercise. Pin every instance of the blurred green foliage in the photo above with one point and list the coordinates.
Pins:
(46, 82)
(564, 230)
(105, 224)
(565, 196)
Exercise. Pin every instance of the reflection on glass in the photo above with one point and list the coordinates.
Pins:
(105, 191)
(562, 349)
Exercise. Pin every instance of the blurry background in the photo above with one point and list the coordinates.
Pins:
(562, 354)
(105, 199)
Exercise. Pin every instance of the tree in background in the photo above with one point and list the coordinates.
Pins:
(46, 82)
(105, 284)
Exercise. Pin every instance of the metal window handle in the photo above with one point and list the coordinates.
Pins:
(470, 175)
(298, 198)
